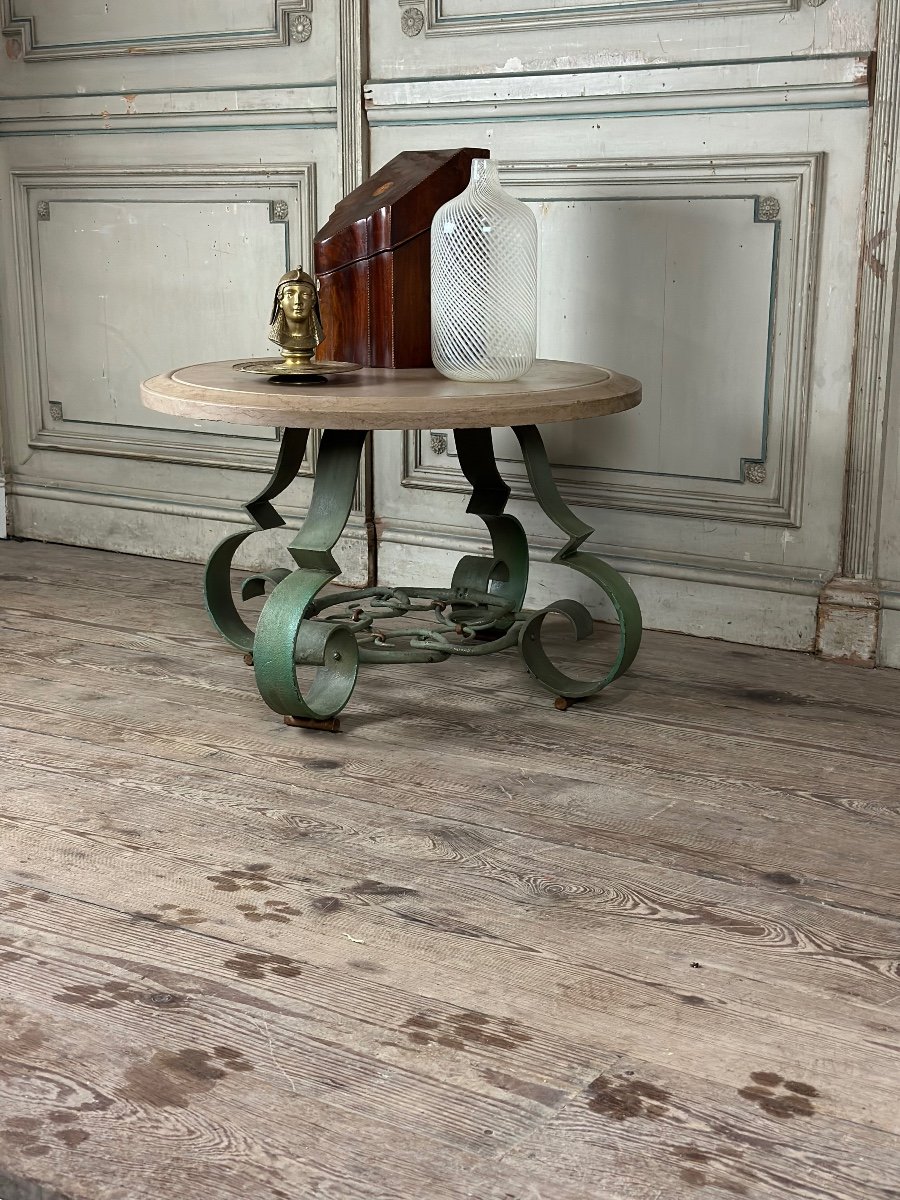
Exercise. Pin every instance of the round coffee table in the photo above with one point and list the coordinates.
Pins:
(481, 612)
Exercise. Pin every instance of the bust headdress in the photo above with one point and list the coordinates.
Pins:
(278, 328)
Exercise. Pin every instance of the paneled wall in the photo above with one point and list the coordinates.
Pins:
(889, 521)
(698, 172)
(714, 219)
(162, 165)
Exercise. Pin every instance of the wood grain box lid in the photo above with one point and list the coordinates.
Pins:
(396, 204)
(373, 260)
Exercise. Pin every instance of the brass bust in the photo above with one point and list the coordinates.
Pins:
(296, 323)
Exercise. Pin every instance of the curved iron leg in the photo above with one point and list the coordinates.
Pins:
(505, 574)
(217, 578)
(616, 588)
(283, 635)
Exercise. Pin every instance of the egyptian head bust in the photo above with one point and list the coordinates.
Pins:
(296, 324)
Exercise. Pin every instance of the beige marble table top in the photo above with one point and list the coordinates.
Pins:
(378, 398)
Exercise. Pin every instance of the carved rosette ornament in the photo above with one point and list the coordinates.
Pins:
(299, 27)
(768, 208)
(278, 211)
(412, 21)
(754, 472)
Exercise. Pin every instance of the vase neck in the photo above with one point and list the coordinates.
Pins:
(484, 175)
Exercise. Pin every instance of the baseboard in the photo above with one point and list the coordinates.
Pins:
(755, 607)
(182, 529)
(889, 641)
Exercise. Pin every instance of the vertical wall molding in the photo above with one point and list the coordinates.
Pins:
(876, 308)
(849, 616)
(290, 24)
(541, 17)
(47, 427)
(352, 75)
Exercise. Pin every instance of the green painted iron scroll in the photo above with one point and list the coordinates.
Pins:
(624, 601)
(480, 613)
(217, 580)
(285, 635)
(505, 573)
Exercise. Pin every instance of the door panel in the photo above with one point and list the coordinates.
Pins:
(212, 258)
(423, 39)
(150, 236)
(889, 540)
(59, 28)
(700, 229)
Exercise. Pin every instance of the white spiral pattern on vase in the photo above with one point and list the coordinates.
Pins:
(484, 282)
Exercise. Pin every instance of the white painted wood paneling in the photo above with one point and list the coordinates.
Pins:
(422, 39)
(131, 113)
(678, 291)
(91, 22)
(828, 82)
(889, 532)
(133, 50)
(698, 169)
(639, 309)
(776, 535)
(471, 16)
(152, 234)
(211, 258)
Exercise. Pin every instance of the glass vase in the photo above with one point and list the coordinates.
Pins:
(483, 282)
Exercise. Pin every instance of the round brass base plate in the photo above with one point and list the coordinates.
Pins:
(315, 369)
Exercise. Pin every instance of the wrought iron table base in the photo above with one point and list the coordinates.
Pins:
(480, 613)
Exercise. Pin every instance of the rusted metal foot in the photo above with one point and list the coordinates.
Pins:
(248, 659)
(561, 703)
(328, 725)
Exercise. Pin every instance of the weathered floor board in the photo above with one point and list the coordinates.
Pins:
(645, 949)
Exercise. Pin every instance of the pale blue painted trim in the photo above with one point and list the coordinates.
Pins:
(770, 344)
(498, 117)
(583, 12)
(71, 130)
(187, 42)
(121, 425)
(770, 341)
(633, 68)
(170, 91)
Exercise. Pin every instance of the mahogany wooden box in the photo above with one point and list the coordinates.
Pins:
(373, 260)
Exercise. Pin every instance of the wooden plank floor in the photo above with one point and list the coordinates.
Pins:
(645, 949)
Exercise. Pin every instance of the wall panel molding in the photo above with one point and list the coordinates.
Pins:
(352, 70)
(774, 495)
(735, 602)
(440, 21)
(875, 312)
(71, 491)
(167, 524)
(50, 429)
(835, 82)
(289, 21)
(310, 107)
(629, 560)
